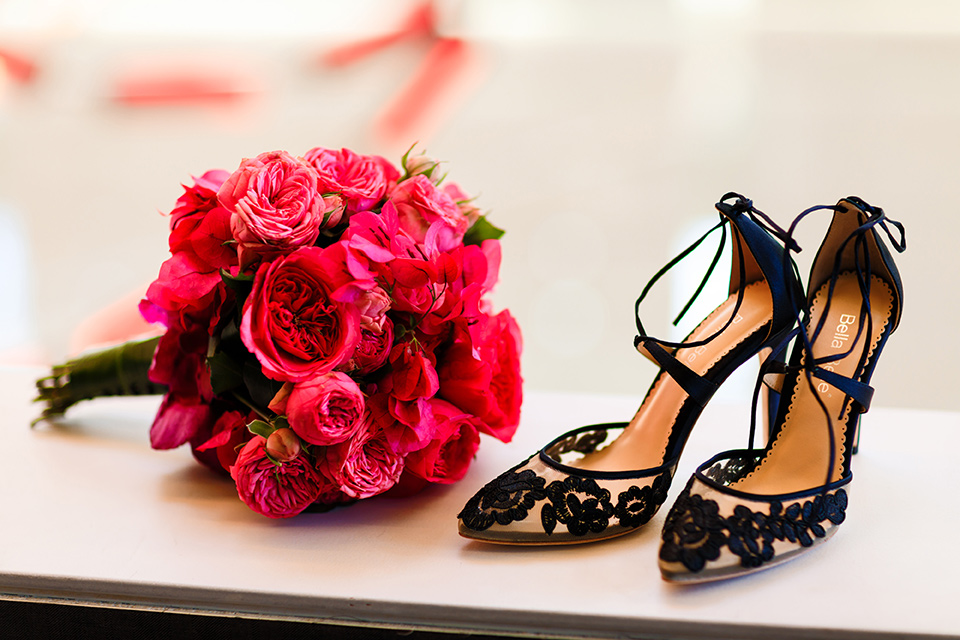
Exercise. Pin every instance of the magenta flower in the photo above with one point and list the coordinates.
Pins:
(326, 409)
(448, 456)
(420, 204)
(274, 204)
(276, 491)
(365, 465)
(488, 386)
(293, 323)
(362, 181)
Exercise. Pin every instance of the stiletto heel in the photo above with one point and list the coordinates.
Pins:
(755, 508)
(605, 480)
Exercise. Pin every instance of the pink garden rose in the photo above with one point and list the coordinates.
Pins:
(420, 204)
(365, 465)
(274, 204)
(326, 409)
(362, 181)
(448, 456)
(293, 322)
(373, 306)
(274, 491)
(491, 387)
(372, 350)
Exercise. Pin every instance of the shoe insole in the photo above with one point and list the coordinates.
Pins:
(799, 455)
(643, 443)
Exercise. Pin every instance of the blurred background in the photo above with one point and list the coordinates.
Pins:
(599, 135)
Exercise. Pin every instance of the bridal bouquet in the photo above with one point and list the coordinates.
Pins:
(328, 335)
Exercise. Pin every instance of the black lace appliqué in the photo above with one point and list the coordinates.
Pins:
(695, 532)
(579, 503)
(637, 505)
(503, 500)
(730, 470)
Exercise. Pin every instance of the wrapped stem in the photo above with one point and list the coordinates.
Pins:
(121, 370)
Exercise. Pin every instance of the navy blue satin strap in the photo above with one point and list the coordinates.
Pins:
(861, 393)
(696, 386)
(743, 204)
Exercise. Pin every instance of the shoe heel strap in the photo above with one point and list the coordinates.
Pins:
(696, 386)
(860, 393)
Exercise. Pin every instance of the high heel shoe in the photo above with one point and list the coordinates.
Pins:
(605, 480)
(752, 509)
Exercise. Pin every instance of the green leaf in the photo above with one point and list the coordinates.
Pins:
(225, 372)
(260, 428)
(241, 284)
(262, 389)
(482, 230)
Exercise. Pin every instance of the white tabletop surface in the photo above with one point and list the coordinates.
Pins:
(90, 513)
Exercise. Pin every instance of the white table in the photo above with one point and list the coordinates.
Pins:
(91, 515)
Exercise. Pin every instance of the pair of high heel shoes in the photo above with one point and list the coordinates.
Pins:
(747, 509)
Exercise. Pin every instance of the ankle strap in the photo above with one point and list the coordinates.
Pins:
(861, 394)
(696, 386)
(754, 236)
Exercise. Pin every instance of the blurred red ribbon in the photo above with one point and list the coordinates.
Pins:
(429, 95)
(21, 69)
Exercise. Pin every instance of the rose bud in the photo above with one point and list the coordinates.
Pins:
(421, 165)
(283, 445)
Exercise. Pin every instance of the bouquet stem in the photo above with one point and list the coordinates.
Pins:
(115, 371)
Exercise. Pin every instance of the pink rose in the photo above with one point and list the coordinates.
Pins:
(271, 490)
(274, 203)
(365, 465)
(448, 456)
(489, 387)
(326, 409)
(420, 204)
(372, 351)
(293, 323)
(362, 181)
(373, 306)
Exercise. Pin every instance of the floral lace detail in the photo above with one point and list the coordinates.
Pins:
(637, 505)
(579, 503)
(582, 443)
(507, 498)
(695, 532)
(728, 472)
